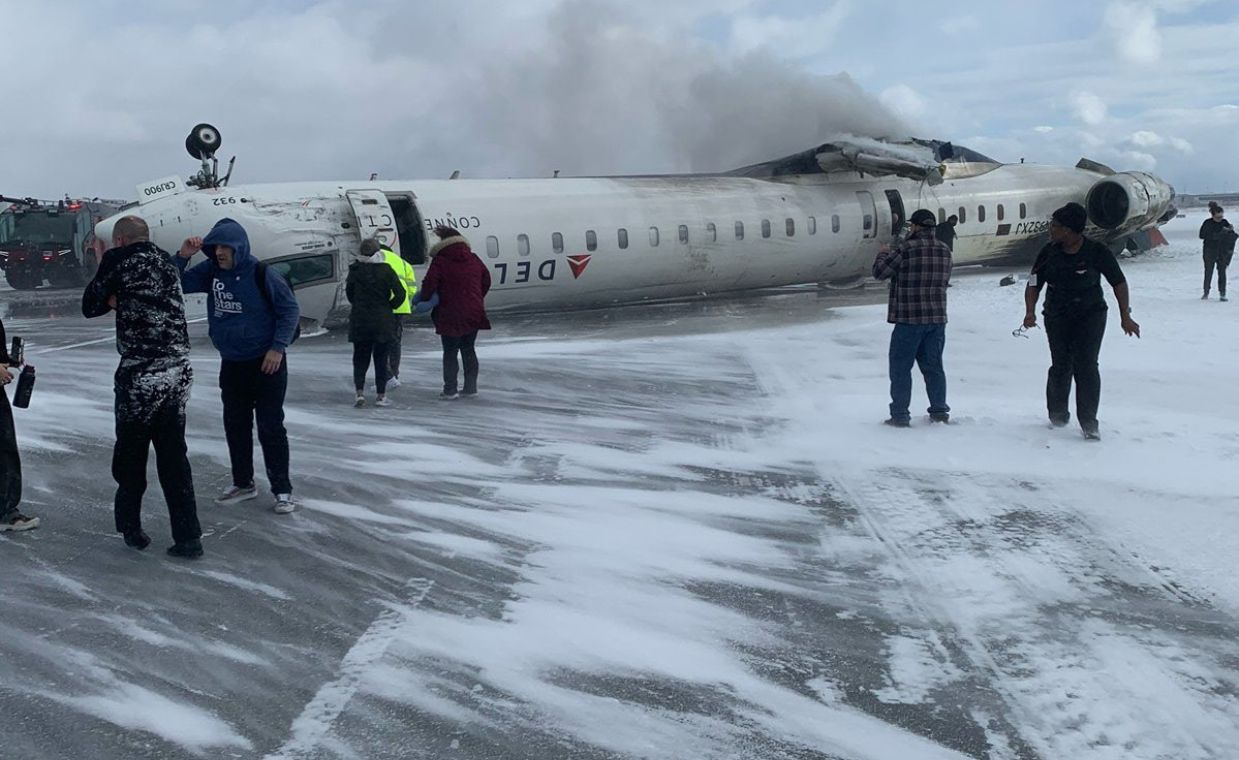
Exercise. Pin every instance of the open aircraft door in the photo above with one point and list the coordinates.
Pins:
(868, 213)
(375, 218)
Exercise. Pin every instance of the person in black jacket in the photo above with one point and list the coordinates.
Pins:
(946, 231)
(152, 383)
(374, 291)
(1072, 266)
(11, 518)
(1219, 246)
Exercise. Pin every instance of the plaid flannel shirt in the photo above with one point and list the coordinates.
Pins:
(919, 269)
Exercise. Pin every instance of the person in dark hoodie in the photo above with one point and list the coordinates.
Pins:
(374, 291)
(11, 518)
(1219, 246)
(461, 281)
(152, 383)
(253, 318)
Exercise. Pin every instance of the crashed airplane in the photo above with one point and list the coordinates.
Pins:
(813, 217)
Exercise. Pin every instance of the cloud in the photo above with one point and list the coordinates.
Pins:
(1132, 29)
(1088, 107)
(905, 102)
(1043, 129)
(789, 37)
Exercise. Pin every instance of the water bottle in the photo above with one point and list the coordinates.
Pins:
(25, 386)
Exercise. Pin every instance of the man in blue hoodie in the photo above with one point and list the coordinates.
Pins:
(253, 316)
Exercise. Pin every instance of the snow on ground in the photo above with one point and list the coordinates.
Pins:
(664, 533)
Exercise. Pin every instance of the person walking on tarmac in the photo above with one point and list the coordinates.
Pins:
(253, 318)
(408, 278)
(1071, 267)
(152, 383)
(374, 292)
(919, 269)
(1219, 246)
(462, 281)
(946, 231)
(11, 518)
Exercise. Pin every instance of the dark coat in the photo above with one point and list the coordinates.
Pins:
(462, 281)
(374, 291)
(1219, 237)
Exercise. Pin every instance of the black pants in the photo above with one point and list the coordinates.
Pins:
(1221, 260)
(10, 462)
(464, 345)
(1075, 342)
(393, 349)
(166, 429)
(362, 351)
(248, 394)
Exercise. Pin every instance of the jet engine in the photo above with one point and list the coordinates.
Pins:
(1129, 201)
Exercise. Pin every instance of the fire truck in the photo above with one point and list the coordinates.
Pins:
(50, 241)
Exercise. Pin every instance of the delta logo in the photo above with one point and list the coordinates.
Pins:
(578, 263)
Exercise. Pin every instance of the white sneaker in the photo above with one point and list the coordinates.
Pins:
(449, 396)
(382, 401)
(236, 494)
(360, 402)
(19, 522)
(393, 383)
(284, 503)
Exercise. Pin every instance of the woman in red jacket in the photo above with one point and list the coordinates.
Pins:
(461, 280)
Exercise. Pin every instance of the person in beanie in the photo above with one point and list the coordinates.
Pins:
(1070, 267)
(253, 316)
(461, 280)
(374, 292)
(1219, 246)
(11, 518)
(919, 270)
(152, 383)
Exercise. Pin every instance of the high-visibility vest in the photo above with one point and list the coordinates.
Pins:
(407, 277)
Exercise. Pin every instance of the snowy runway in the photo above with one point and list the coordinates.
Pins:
(663, 532)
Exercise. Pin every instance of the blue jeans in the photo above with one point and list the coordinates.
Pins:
(922, 345)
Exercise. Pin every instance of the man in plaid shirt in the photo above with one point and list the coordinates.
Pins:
(919, 269)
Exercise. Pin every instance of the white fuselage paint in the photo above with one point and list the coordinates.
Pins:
(291, 220)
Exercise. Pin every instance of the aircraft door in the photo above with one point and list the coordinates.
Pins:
(869, 214)
(896, 201)
(375, 218)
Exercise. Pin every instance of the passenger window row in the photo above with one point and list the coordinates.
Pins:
(682, 235)
(963, 213)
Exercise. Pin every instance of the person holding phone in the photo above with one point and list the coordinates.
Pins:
(11, 518)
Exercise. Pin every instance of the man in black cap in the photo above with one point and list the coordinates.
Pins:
(919, 269)
(1072, 266)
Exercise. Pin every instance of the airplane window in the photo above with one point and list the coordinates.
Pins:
(765, 228)
(739, 230)
(522, 245)
(868, 222)
(684, 234)
(492, 246)
(591, 240)
(963, 214)
(622, 235)
(304, 270)
(1023, 211)
(1001, 212)
(813, 225)
(712, 232)
(834, 223)
(557, 242)
(980, 213)
(653, 237)
(791, 227)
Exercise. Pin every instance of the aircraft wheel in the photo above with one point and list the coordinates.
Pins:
(203, 141)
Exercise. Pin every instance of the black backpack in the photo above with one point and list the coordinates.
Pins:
(260, 279)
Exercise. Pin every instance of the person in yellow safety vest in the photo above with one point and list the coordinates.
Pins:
(405, 272)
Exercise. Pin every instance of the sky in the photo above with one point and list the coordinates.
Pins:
(100, 95)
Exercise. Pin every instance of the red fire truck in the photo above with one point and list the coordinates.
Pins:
(49, 241)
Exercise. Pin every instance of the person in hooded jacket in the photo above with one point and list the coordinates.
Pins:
(253, 315)
(138, 280)
(374, 291)
(461, 280)
(1219, 246)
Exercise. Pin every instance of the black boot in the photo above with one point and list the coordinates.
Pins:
(186, 550)
(137, 539)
